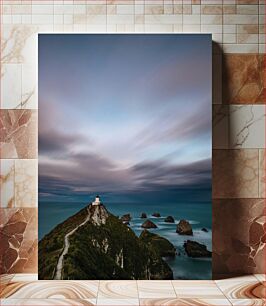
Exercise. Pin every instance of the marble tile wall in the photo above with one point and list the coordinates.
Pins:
(238, 31)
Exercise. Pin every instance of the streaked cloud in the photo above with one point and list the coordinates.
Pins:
(124, 113)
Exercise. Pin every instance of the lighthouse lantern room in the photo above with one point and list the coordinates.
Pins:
(97, 201)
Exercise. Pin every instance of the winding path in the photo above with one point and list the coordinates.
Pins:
(59, 267)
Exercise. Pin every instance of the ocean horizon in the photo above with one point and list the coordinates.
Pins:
(199, 214)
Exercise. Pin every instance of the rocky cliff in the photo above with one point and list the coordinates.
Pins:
(102, 248)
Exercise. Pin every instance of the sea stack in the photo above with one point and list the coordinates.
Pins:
(195, 249)
(184, 228)
(169, 219)
(126, 218)
(148, 224)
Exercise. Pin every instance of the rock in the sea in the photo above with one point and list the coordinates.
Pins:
(204, 230)
(143, 216)
(157, 215)
(164, 247)
(195, 249)
(102, 248)
(126, 218)
(148, 224)
(169, 219)
(184, 228)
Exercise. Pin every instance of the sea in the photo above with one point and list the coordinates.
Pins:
(199, 214)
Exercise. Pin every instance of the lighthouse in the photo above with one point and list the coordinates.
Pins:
(97, 201)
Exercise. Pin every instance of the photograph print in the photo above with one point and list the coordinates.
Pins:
(125, 156)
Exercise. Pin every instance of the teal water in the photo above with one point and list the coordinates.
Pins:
(198, 214)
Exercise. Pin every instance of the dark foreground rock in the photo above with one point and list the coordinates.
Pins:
(164, 247)
(195, 249)
(169, 219)
(156, 214)
(126, 218)
(204, 230)
(143, 216)
(103, 248)
(184, 228)
(148, 224)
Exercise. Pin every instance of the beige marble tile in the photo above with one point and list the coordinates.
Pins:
(248, 29)
(262, 170)
(5, 279)
(260, 277)
(118, 289)
(48, 302)
(197, 289)
(19, 44)
(25, 277)
(10, 85)
(117, 302)
(246, 287)
(51, 290)
(7, 183)
(247, 126)
(248, 302)
(212, 9)
(247, 9)
(26, 178)
(240, 48)
(184, 302)
(156, 289)
(29, 97)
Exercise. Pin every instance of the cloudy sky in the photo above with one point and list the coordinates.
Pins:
(123, 115)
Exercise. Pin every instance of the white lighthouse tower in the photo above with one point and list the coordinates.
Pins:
(97, 201)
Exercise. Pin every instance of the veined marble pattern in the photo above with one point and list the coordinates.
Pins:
(4, 280)
(118, 289)
(19, 43)
(243, 79)
(18, 129)
(239, 244)
(220, 126)
(19, 51)
(262, 171)
(51, 290)
(243, 287)
(11, 85)
(156, 289)
(247, 126)
(117, 302)
(197, 289)
(260, 277)
(235, 291)
(248, 302)
(26, 183)
(18, 182)
(235, 173)
(18, 228)
(184, 302)
(7, 183)
(48, 302)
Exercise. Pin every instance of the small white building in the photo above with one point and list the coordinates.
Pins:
(97, 201)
